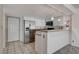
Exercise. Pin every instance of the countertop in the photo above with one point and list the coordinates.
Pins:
(46, 30)
(56, 30)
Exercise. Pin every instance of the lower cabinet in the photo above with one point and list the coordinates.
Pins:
(49, 42)
(40, 42)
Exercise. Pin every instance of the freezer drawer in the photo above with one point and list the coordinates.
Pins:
(26, 40)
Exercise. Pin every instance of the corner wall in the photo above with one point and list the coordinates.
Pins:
(75, 30)
(2, 30)
(21, 29)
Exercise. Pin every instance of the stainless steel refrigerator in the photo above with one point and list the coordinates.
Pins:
(27, 32)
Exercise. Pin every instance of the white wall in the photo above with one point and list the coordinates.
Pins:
(1, 26)
(2, 29)
(5, 32)
(21, 29)
(75, 30)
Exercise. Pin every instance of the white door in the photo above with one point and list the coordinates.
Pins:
(13, 29)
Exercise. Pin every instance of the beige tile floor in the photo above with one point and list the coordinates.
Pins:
(20, 48)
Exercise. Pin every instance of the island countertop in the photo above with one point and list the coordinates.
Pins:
(57, 30)
(50, 41)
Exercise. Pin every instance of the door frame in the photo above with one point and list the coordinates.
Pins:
(7, 26)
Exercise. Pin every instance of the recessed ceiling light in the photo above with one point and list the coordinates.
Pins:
(52, 18)
(59, 19)
(65, 23)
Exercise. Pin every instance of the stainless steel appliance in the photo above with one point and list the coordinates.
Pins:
(27, 29)
(26, 40)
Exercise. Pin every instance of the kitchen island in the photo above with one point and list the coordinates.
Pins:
(50, 41)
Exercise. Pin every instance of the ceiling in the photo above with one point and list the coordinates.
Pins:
(75, 5)
(31, 10)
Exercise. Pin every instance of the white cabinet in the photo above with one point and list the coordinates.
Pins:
(50, 41)
(40, 42)
(40, 22)
(57, 40)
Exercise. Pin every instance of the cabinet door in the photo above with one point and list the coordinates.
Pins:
(44, 42)
(57, 40)
(40, 43)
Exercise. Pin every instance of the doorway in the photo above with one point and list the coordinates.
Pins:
(13, 29)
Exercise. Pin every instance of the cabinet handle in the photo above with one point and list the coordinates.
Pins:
(43, 36)
(38, 34)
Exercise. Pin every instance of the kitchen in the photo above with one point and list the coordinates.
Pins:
(50, 31)
(47, 31)
(39, 30)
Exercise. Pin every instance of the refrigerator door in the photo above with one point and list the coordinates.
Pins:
(26, 40)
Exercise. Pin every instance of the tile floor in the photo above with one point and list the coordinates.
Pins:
(20, 48)
(68, 50)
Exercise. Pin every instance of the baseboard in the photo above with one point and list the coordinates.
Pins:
(13, 41)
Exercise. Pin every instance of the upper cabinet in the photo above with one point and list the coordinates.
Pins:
(39, 23)
(62, 22)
